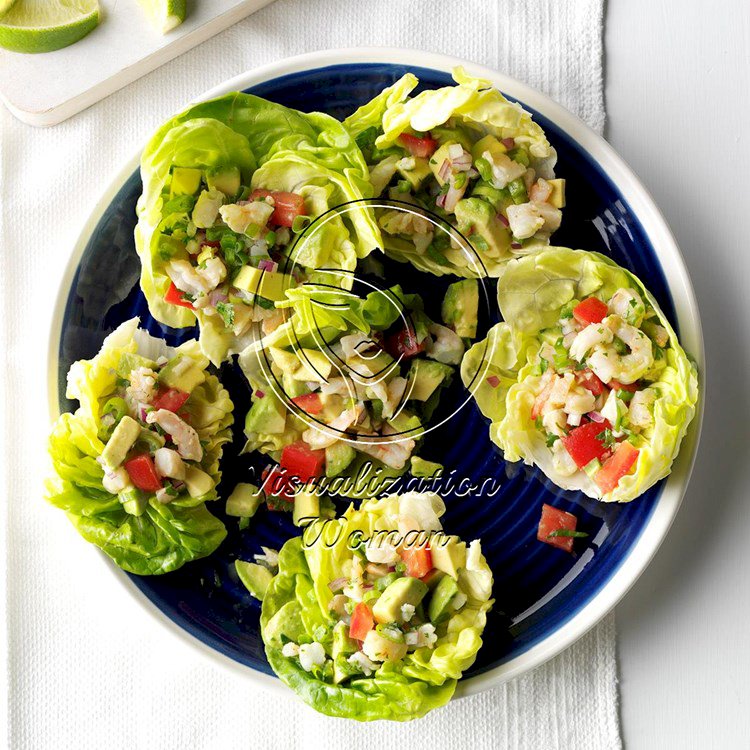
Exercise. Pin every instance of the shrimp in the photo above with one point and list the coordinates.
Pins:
(447, 346)
(239, 216)
(629, 367)
(639, 413)
(595, 335)
(169, 464)
(183, 435)
(628, 304)
(142, 388)
(318, 438)
(405, 222)
(394, 454)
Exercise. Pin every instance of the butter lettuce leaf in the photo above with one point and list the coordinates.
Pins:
(531, 295)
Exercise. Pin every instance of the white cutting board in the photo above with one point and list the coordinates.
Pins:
(46, 89)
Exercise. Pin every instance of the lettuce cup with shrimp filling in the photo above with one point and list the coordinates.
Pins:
(585, 378)
(473, 160)
(377, 614)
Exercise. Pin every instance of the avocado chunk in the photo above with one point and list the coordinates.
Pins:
(286, 622)
(129, 362)
(197, 481)
(480, 215)
(422, 468)
(402, 591)
(255, 578)
(244, 500)
(268, 284)
(133, 501)
(182, 373)
(338, 457)
(426, 376)
(292, 386)
(185, 181)
(226, 179)
(406, 423)
(557, 199)
(437, 159)
(267, 415)
(439, 607)
(342, 648)
(414, 169)
(498, 198)
(206, 208)
(488, 143)
(449, 557)
(122, 440)
(460, 309)
(306, 508)
(433, 578)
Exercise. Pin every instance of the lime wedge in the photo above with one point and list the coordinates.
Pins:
(43, 26)
(165, 15)
(6, 5)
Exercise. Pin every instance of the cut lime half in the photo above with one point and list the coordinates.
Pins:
(44, 26)
(165, 15)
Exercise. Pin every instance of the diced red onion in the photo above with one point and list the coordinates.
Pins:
(516, 245)
(177, 484)
(508, 143)
(452, 197)
(455, 151)
(440, 200)
(259, 394)
(337, 584)
(367, 587)
(503, 220)
(472, 173)
(142, 411)
(595, 416)
(494, 381)
(217, 296)
(267, 265)
(312, 385)
(462, 163)
(445, 170)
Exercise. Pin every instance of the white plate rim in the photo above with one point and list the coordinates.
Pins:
(678, 282)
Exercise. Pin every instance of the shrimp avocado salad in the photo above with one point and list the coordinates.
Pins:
(299, 258)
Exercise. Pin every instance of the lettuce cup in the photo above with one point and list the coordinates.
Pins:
(136, 463)
(377, 614)
(470, 158)
(586, 378)
(228, 187)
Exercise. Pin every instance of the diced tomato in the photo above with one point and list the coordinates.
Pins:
(541, 399)
(418, 560)
(170, 399)
(590, 382)
(554, 520)
(616, 385)
(616, 467)
(423, 147)
(142, 473)
(309, 402)
(287, 206)
(583, 443)
(591, 310)
(362, 622)
(302, 462)
(278, 484)
(211, 243)
(176, 297)
(403, 344)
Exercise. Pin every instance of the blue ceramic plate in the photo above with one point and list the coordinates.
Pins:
(545, 598)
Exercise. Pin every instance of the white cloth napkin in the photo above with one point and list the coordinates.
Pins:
(86, 666)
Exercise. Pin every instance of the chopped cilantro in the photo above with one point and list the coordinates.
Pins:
(226, 311)
(568, 533)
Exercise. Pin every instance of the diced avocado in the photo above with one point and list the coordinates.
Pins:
(133, 501)
(426, 469)
(481, 215)
(449, 557)
(244, 500)
(377, 365)
(433, 578)
(460, 308)
(437, 159)
(185, 181)
(226, 179)
(427, 375)
(557, 199)
(285, 360)
(418, 173)
(439, 607)
(197, 481)
(498, 198)
(338, 457)
(150, 439)
(343, 647)
(255, 578)
(488, 143)
(444, 134)
(182, 373)
(379, 646)
(404, 422)
(267, 415)
(306, 507)
(286, 622)
(122, 440)
(292, 386)
(129, 362)
(207, 208)
(402, 591)
(314, 365)
(269, 284)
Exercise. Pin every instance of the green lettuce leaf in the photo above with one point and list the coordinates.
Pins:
(504, 369)
(295, 607)
(165, 537)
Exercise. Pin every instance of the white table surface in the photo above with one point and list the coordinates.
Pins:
(678, 105)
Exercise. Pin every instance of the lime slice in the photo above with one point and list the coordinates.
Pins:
(43, 26)
(6, 5)
(165, 15)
